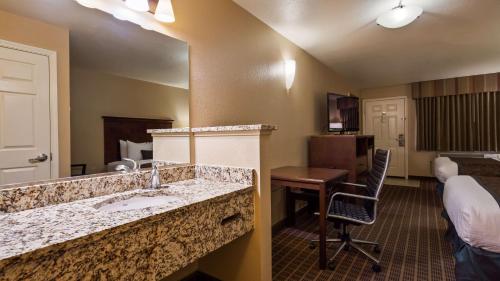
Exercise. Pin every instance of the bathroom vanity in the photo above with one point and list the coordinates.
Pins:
(110, 227)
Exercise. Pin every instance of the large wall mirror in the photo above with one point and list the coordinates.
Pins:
(123, 80)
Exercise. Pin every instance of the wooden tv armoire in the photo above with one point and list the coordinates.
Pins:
(349, 152)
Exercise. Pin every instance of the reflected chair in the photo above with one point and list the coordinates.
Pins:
(78, 169)
(354, 209)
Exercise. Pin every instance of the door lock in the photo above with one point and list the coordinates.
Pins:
(40, 158)
(401, 140)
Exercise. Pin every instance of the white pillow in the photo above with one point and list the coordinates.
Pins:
(493, 156)
(134, 149)
(123, 149)
(444, 168)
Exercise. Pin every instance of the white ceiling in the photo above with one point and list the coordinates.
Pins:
(100, 42)
(451, 38)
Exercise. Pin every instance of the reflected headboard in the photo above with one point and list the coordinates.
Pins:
(125, 128)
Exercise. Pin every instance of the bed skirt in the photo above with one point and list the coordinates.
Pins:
(471, 263)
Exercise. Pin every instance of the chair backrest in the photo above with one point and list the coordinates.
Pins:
(377, 173)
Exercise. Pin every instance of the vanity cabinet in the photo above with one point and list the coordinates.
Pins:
(149, 249)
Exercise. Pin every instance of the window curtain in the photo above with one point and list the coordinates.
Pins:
(467, 122)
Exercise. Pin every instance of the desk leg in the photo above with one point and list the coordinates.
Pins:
(290, 208)
(322, 226)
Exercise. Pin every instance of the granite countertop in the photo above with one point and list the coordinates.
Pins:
(234, 128)
(171, 130)
(33, 229)
(250, 127)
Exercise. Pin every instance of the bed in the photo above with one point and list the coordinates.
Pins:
(448, 165)
(470, 189)
(473, 214)
(127, 129)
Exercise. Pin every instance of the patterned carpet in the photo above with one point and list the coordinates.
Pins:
(409, 228)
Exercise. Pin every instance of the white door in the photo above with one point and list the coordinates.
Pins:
(24, 116)
(385, 119)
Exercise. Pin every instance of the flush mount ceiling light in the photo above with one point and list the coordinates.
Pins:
(138, 5)
(399, 16)
(164, 11)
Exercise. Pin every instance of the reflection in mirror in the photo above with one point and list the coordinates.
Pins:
(120, 80)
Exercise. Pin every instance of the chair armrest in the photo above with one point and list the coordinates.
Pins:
(349, 195)
(353, 196)
(354, 184)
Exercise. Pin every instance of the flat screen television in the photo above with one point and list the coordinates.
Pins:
(343, 113)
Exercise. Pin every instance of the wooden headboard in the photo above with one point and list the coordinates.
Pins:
(125, 128)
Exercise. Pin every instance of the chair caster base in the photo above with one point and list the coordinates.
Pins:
(312, 245)
(331, 265)
(376, 249)
(376, 268)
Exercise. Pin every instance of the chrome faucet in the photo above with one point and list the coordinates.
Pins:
(125, 168)
(155, 177)
(134, 163)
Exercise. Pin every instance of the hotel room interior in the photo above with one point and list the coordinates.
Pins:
(249, 140)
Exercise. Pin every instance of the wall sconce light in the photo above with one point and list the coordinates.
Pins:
(289, 73)
(164, 11)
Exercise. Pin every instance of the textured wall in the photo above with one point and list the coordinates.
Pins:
(97, 94)
(237, 77)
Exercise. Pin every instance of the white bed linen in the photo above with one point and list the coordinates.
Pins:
(474, 212)
(493, 156)
(444, 168)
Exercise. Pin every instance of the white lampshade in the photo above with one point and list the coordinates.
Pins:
(399, 16)
(164, 11)
(138, 5)
(289, 73)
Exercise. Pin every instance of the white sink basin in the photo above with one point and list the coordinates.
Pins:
(137, 202)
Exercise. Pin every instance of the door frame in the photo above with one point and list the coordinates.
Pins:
(53, 96)
(405, 100)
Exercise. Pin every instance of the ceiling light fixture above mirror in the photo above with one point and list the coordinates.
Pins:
(399, 16)
(86, 3)
(138, 5)
(146, 13)
(164, 11)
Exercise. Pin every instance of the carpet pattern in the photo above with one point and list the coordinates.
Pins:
(409, 228)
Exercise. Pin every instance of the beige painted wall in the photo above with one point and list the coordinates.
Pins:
(97, 94)
(42, 35)
(419, 163)
(237, 77)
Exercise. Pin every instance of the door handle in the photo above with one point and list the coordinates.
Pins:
(40, 158)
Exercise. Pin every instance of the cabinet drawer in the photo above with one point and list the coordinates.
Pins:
(227, 219)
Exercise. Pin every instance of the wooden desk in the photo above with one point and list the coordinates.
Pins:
(314, 179)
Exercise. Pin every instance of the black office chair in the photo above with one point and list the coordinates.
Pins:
(347, 212)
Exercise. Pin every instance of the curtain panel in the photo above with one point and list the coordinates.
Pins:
(467, 122)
